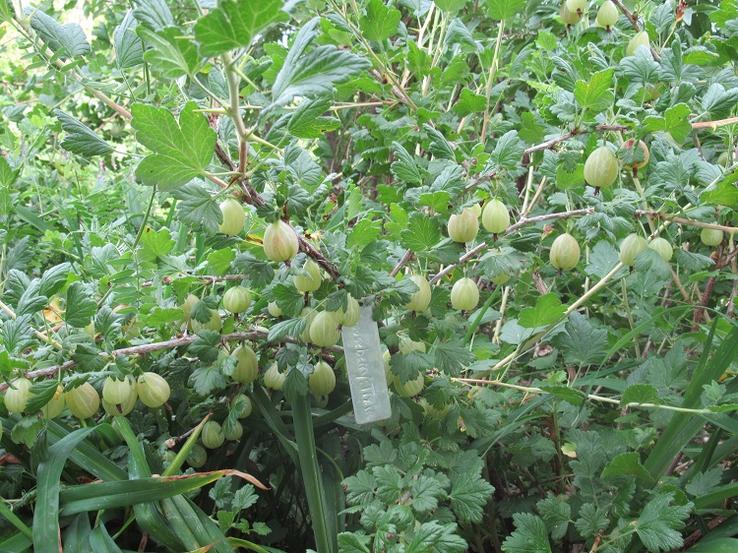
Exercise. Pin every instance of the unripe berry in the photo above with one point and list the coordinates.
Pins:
(233, 217)
(711, 237)
(640, 39)
(197, 456)
(309, 278)
(564, 254)
(568, 17)
(476, 209)
(83, 401)
(212, 435)
(601, 168)
(236, 299)
(407, 346)
(153, 390)
(307, 314)
(630, 248)
(232, 431)
(350, 315)
(242, 404)
(322, 381)
(247, 365)
(636, 160)
(273, 379)
(188, 305)
(421, 299)
(280, 241)
(463, 227)
(123, 409)
(725, 159)
(214, 323)
(464, 294)
(576, 6)
(274, 309)
(17, 395)
(411, 387)
(117, 392)
(324, 330)
(55, 405)
(662, 247)
(607, 15)
(495, 217)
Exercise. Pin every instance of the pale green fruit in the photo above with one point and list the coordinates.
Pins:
(197, 456)
(601, 168)
(236, 299)
(56, 404)
(725, 159)
(711, 237)
(576, 6)
(464, 294)
(324, 330)
(212, 436)
(274, 309)
(273, 379)
(247, 365)
(476, 209)
(188, 305)
(644, 155)
(214, 323)
(233, 217)
(564, 254)
(421, 299)
(83, 401)
(153, 390)
(123, 409)
(410, 388)
(607, 15)
(662, 247)
(280, 241)
(640, 39)
(322, 381)
(233, 431)
(243, 405)
(17, 395)
(407, 346)
(463, 227)
(352, 313)
(117, 392)
(495, 217)
(307, 314)
(568, 17)
(309, 278)
(630, 248)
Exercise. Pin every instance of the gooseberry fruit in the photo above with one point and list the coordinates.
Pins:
(83, 401)
(324, 330)
(188, 305)
(576, 6)
(662, 247)
(117, 392)
(630, 248)
(153, 390)
(17, 395)
(476, 209)
(601, 168)
(568, 17)
(236, 299)
(420, 300)
(273, 309)
(233, 217)
(212, 436)
(247, 365)
(463, 227)
(607, 15)
(411, 387)
(322, 381)
(640, 39)
(242, 405)
(408, 346)
(197, 456)
(309, 278)
(213, 323)
(123, 409)
(464, 294)
(273, 379)
(350, 316)
(495, 217)
(635, 160)
(55, 405)
(280, 241)
(232, 431)
(564, 254)
(711, 237)
(307, 314)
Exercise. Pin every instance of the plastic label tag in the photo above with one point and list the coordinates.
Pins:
(365, 367)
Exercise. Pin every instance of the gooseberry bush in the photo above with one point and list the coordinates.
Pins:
(535, 201)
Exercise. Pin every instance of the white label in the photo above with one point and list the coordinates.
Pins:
(365, 368)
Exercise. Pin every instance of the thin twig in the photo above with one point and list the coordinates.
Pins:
(684, 221)
(403, 261)
(715, 124)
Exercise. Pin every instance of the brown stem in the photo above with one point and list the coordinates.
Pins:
(715, 124)
(403, 261)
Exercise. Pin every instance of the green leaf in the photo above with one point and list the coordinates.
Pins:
(530, 535)
(380, 21)
(675, 122)
(155, 244)
(564, 393)
(404, 167)
(234, 23)
(127, 43)
(595, 95)
(7, 173)
(365, 231)
(170, 54)
(290, 328)
(627, 464)
(469, 102)
(80, 139)
(660, 522)
(504, 9)
(154, 14)
(639, 393)
(725, 192)
(198, 207)
(507, 153)
(451, 6)
(582, 343)
(316, 72)
(181, 151)
(308, 121)
(80, 306)
(66, 41)
(468, 496)
(548, 310)
(422, 233)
